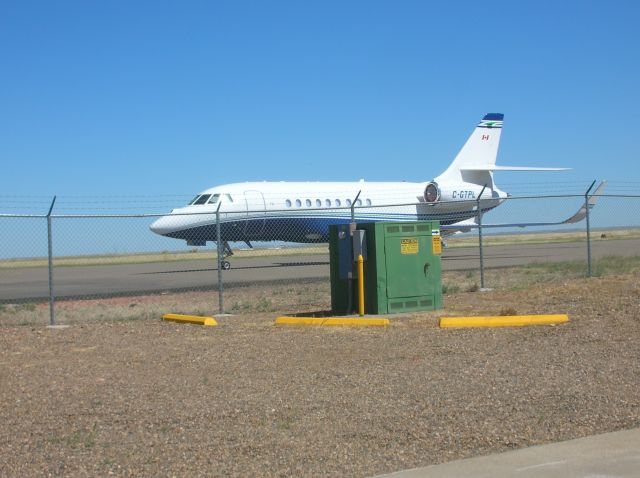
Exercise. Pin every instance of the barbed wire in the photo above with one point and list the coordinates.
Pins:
(166, 202)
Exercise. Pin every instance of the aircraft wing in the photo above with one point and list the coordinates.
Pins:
(468, 224)
(458, 227)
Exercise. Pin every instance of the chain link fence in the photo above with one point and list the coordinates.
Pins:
(61, 268)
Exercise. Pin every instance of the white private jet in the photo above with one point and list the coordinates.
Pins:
(303, 211)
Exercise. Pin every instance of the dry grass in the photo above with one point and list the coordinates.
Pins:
(166, 256)
(140, 397)
(71, 261)
(292, 297)
(237, 300)
(543, 237)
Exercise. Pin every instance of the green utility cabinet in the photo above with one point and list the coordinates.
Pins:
(402, 267)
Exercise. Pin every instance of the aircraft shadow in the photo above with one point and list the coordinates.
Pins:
(266, 266)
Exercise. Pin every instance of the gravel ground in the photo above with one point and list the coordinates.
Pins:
(151, 398)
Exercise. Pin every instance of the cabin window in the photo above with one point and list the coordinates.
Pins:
(327, 202)
(368, 201)
(202, 199)
(288, 202)
(308, 202)
(298, 203)
(338, 203)
(359, 202)
(318, 203)
(214, 199)
(349, 202)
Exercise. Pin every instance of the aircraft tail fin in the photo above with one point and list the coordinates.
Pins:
(477, 158)
(476, 161)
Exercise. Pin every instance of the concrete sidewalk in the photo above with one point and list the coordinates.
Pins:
(614, 454)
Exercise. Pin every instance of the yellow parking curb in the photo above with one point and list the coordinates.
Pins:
(190, 319)
(503, 321)
(357, 322)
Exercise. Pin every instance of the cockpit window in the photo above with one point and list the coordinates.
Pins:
(209, 199)
(214, 199)
(201, 200)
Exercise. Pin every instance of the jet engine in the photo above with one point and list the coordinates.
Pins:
(434, 193)
(431, 193)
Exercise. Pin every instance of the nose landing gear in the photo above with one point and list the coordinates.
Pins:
(226, 252)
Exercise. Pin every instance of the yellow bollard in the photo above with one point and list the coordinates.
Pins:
(360, 285)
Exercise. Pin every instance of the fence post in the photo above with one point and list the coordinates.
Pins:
(220, 259)
(353, 212)
(52, 317)
(479, 211)
(586, 205)
(352, 229)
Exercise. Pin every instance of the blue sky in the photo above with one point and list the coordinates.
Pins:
(154, 98)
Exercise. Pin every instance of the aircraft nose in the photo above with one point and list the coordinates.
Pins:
(161, 226)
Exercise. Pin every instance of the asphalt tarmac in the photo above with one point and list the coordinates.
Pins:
(610, 455)
(31, 283)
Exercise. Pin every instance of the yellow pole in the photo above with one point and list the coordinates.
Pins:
(361, 285)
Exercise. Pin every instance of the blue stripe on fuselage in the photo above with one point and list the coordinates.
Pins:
(305, 229)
